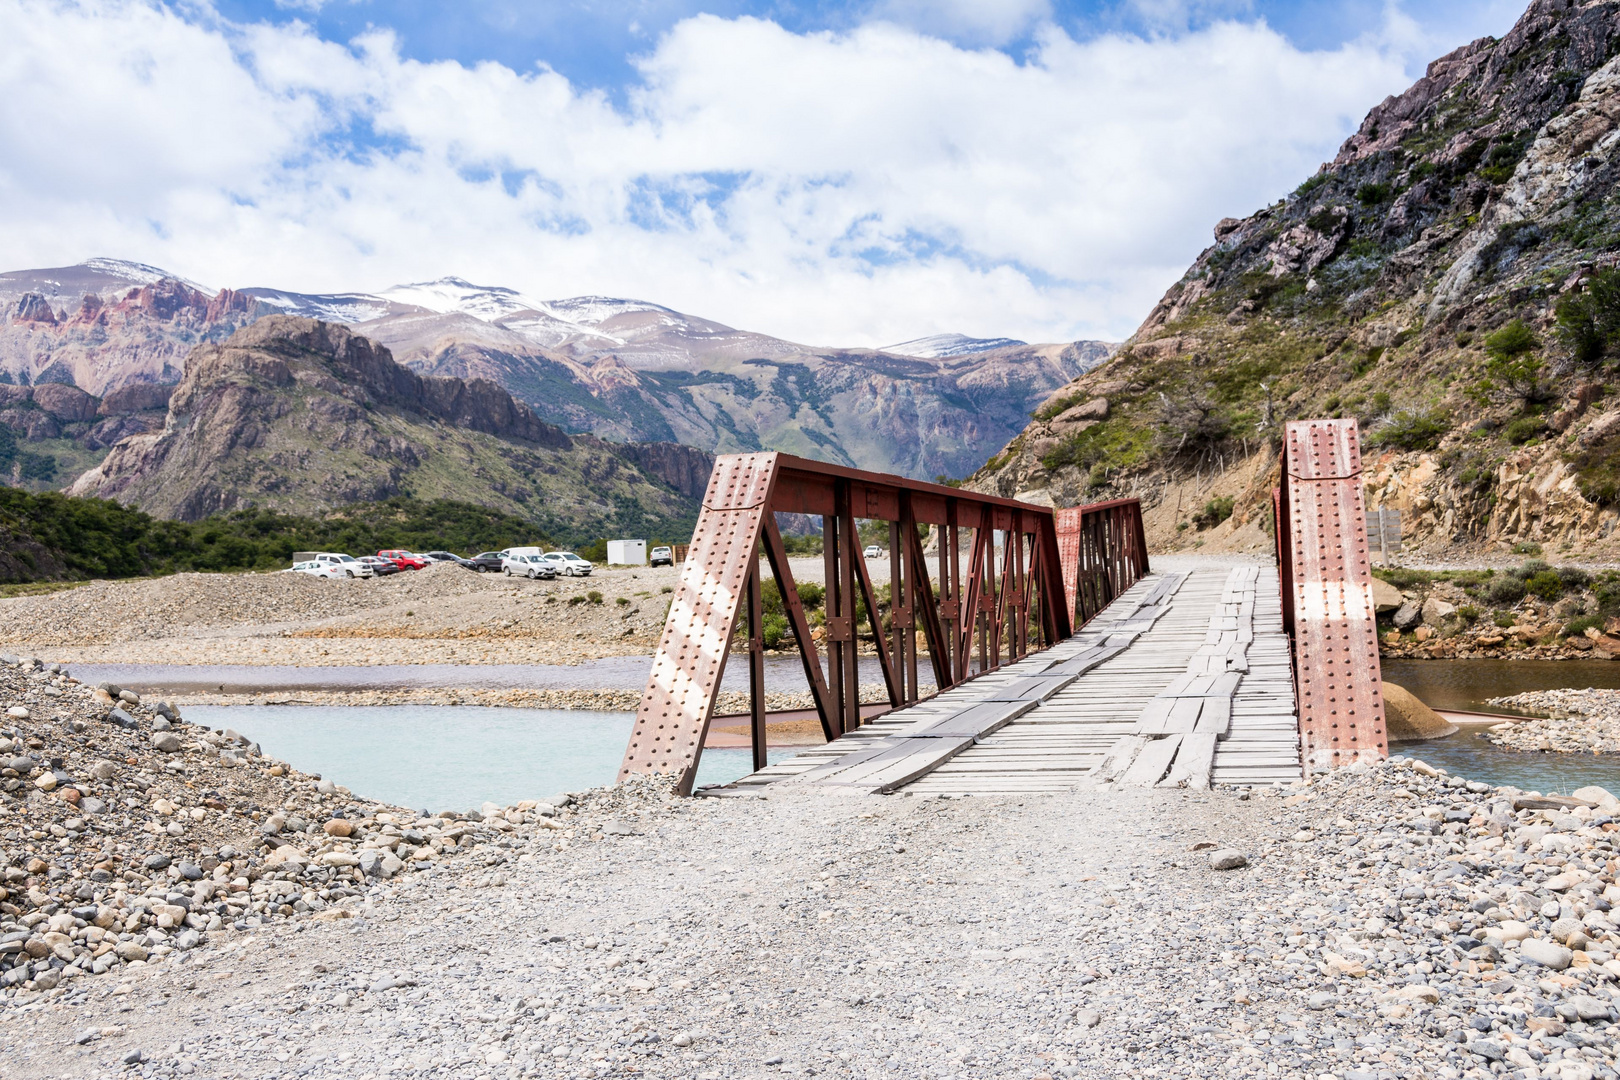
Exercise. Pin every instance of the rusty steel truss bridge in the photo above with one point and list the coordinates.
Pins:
(1054, 654)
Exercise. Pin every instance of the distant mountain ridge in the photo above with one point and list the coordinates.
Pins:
(303, 417)
(619, 368)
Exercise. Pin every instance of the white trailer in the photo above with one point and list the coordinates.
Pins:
(627, 553)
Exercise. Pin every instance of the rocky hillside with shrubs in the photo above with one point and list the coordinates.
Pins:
(1449, 280)
(1532, 612)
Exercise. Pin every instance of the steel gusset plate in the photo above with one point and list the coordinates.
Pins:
(685, 679)
(1341, 707)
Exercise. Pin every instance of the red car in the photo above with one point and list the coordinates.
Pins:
(403, 559)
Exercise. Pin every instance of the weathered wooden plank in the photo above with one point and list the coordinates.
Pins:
(1193, 761)
(1151, 763)
(1119, 757)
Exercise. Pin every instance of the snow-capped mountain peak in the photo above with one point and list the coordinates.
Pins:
(943, 346)
(452, 294)
(595, 310)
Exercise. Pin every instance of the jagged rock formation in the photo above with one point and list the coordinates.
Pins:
(302, 416)
(107, 324)
(1482, 197)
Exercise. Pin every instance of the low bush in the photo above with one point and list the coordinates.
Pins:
(1504, 619)
(1506, 589)
(1410, 429)
(1574, 577)
(1214, 512)
(1544, 584)
(1468, 614)
(1577, 627)
(774, 630)
(594, 597)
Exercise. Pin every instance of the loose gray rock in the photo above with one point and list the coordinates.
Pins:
(1407, 616)
(1546, 953)
(166, 741)
(1227, 859)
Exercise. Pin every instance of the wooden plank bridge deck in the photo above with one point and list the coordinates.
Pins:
(1184, 680)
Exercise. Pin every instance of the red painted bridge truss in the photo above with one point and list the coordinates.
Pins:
(1027, 577)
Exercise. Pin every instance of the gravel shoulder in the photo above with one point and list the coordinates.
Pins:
(1388, 922)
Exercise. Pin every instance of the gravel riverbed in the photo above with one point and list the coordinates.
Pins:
(1385, 921)
(1577, 722)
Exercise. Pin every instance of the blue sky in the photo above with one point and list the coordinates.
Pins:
(592, 42)
(838, 174)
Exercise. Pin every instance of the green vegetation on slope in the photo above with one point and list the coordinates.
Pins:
(99, 538)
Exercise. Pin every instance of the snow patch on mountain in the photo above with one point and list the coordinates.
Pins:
(453, 294)
(136, 273)
(348, 308)
(944, 346)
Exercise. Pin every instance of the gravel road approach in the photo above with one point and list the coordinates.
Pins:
(1382, 922)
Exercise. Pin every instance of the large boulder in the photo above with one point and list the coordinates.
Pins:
(1406, 719)
(1386, 597)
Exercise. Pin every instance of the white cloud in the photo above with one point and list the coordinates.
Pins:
(833, 188)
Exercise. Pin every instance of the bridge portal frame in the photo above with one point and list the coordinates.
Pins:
(1017, 591)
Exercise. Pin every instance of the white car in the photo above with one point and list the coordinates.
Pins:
(345, 565)
(530, 566)
(566, 562)
(315, 568)
(873, 552)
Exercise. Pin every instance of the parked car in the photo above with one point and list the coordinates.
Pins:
(346, 565)
(403, 559)
(380, 567)
(530, 566)
(566, 562)
(449, 557)
(315, 568)
(873, 551)
(487, 562)
(661, 556)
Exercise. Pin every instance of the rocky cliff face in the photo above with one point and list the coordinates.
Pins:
(1415, 282)
(303, 416)
(105, 325)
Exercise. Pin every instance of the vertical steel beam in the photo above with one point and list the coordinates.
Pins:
(776, 553)
(756, 666)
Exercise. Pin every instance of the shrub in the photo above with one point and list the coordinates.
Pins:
(1513, 374)
(1574, 577)
(667, 589)
(594, 597)
(575, 599)
(1214, 512)
(1526, 547)
(1469, 614)
(1589, 321)
(1529, 569)
(1505, 590)
(622, 601)
(811, 594)
(1544, 584)
(1411, 429)
(1577, 627)
(774, 628)
(1372, 194)
(1523, 430)
(1504, 619)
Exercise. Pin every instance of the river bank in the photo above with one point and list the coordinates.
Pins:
(1380, 925)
